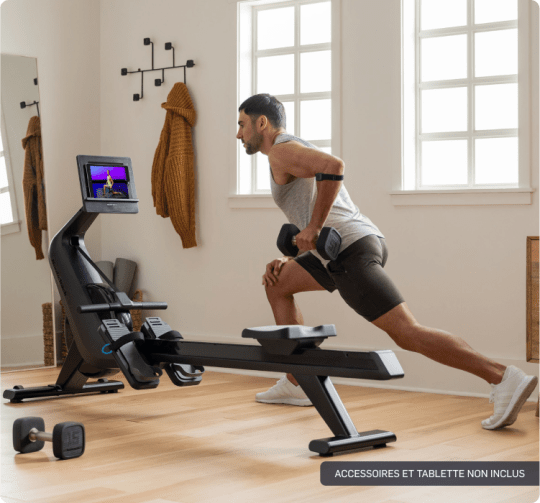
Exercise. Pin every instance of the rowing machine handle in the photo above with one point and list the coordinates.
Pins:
(116, 306)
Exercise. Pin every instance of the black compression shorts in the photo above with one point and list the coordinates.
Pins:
(359, 277)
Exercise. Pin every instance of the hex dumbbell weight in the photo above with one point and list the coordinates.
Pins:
(29, 435)
(328, 242)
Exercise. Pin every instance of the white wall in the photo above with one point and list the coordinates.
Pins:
(25, 280)
(212, 289)
(64, 37)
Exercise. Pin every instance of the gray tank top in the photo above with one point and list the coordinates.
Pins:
(297, 200)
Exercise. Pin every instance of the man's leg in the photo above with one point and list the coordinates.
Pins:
(510, 386)
(364, 285)
(292, 279)
(443, 347)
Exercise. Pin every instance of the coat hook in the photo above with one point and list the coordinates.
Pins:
(23, 104)
(157, 82)
(147, 41)
(160, 81)
(168, 47)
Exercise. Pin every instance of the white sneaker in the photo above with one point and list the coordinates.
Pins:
(509, 396)
(284, 392)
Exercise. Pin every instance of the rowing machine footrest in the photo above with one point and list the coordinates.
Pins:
(183, 374)
(138, 372)
(289, 339)
(155, 328)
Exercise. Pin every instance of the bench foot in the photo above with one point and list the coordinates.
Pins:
(329, 446)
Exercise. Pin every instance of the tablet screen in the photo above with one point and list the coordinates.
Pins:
(108, 182)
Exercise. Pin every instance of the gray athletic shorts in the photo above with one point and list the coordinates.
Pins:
(359, 277)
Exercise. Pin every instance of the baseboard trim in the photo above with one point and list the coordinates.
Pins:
(15, 366)
(19, 337)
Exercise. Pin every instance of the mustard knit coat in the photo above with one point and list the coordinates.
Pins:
(33, 185)
(173, 178)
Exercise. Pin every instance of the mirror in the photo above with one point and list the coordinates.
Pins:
(26, 325)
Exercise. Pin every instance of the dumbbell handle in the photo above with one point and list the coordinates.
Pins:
(293, 240)
(34, 435)
(328, 241)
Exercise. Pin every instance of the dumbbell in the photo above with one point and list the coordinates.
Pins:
(29, 435)
(328, 242)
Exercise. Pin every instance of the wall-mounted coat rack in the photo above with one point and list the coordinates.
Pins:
(157, 82)
(24, 104)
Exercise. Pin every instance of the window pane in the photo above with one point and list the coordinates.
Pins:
(444, 162)
(289, 114)
(444, 110)
(492, 11)
(315, 72)
(444, 58)
(496, 106)
(316, 120)
(244, 171)
(275, 28)
(328, 150)
(443, 13)
(3, 173)
(496, 53)
(315, 23)
(496, 161)
(6, 216)
(263, 172)
(275, 74)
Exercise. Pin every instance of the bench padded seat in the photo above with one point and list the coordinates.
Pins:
(294, 332)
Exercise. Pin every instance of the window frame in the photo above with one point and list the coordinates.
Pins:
(15, 225)
(406, 192)
(247, 59)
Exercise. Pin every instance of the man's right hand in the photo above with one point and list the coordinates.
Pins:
(270, 277)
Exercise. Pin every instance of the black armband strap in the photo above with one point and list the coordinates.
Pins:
(323, 176)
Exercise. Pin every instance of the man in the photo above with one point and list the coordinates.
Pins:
(358, 272)
(108, 187)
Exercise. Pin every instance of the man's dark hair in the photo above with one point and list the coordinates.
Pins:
(265, 104)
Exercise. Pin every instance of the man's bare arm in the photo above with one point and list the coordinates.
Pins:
(302, 162)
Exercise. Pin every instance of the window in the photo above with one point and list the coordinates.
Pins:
(285, 49)
(467, 81)
(9, 217)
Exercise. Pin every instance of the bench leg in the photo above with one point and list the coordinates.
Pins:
(326, 400)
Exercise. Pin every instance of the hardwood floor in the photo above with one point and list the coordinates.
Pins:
(213, 443)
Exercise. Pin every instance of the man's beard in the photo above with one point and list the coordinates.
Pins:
(254, 145)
